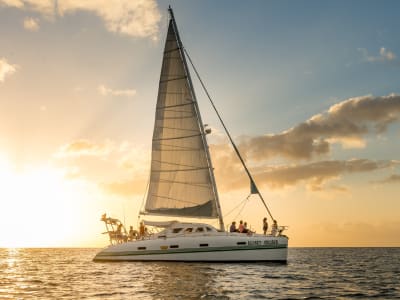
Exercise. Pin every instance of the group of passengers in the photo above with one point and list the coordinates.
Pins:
(133, 234)
(243, 227)
(274, 228)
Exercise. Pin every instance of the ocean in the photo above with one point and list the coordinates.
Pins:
(310, 273)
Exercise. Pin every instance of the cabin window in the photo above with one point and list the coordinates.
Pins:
(241, 243)
(176, 230)
(203, 245)
(208, 229)
(141, 248)
(199, 229)
(174, 246)
(188, 230)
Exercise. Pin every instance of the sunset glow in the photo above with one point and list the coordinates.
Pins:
(310, 95)
(39, 208)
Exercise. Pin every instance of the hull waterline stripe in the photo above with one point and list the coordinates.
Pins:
(189, 250)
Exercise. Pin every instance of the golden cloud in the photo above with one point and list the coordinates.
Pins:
(230, 175)
(394, 178)
(31, 24)
(137, 18)
(85, 148)
(125, 188)
(316, 174)
(6, 69)
(105, 91)
(347, 123)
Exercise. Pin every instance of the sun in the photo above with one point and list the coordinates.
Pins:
(38, 207)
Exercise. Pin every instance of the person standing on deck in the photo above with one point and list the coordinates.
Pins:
(265, 226)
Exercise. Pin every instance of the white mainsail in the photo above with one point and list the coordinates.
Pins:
(181, 178)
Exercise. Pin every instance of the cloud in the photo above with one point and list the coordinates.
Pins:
(6, 69)
(105, 91)
(342, 234)
(31, 24)
(315, 175)
(346, 123)
(384, 55)
(125, 188)
(395, 178)
(84, 148)
(46, 7)
(137, 18)
(106, 164)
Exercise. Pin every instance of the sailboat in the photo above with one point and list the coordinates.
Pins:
(182, 184)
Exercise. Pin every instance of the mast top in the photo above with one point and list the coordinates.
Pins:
(171, 13)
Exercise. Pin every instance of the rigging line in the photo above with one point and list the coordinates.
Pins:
(244, 204)
(229, 136)
(240, 203)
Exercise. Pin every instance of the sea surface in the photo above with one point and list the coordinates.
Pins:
(311, 273)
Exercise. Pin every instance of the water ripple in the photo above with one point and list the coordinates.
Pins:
(311, 273)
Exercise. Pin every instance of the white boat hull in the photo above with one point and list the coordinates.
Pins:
(218, 247)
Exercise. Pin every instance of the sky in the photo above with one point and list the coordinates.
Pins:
(309, 90)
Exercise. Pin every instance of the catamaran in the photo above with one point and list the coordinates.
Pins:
(182, 184)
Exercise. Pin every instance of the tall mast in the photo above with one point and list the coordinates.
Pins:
(201, 125)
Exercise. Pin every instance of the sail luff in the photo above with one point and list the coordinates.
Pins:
(214, 185)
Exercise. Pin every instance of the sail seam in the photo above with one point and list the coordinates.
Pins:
(175, 199)
(172, 79)
(176, 105)
(180, 170)
(177, 137)
(171, 50)
(174, 118)
(176, 128)
(179, 147)
(174, 164)
(198, 184)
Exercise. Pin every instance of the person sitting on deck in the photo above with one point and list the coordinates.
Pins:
(245, 229)
(241, 226)
(132, 233)
(232, 228)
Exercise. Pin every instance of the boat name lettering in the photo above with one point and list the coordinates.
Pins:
(266, 242)
(252, 243)
(271, 242)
